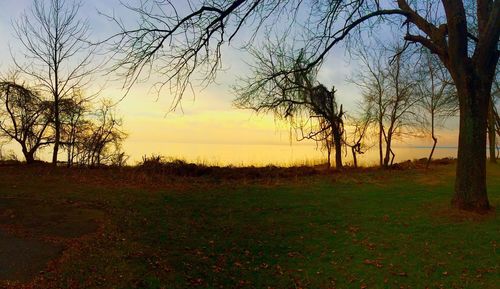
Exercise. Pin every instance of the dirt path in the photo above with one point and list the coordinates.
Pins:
(25, 227)
(21, 259)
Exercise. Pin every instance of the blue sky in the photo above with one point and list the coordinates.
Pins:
(207, 118)
(333, 72)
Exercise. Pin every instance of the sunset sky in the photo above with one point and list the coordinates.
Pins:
(208, 128)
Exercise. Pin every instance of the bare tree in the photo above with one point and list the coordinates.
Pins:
(24, 118)
(387, 87)
(310, 107)
(373, 83)
(401, 100)
(437, 95)
(100, 137)
(74, 111)
(323, 106)
(57, 52)
(176, 41)
(356, 138)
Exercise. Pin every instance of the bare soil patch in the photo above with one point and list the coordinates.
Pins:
(34, 232)
(22, 259)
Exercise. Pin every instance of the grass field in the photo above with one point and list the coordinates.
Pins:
(355, 229)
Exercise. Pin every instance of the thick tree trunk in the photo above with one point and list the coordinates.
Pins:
(29, 156)
(492, 132)
(470, 183)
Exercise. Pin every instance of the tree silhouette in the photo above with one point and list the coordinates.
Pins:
(177, 42)
(389, 99)
(58, 55)
(437, 95)
(24, 118)
(309, 106)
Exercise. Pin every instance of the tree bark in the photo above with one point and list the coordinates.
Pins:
(470, 183)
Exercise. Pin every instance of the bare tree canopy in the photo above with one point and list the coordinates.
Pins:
(389, 95)
(24, 118)
(299, 98)
(99, 137)
(356, 138)
(57, 52)
(437, 95)
(177, 40)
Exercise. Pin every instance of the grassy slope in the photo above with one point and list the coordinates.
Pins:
(369, 229)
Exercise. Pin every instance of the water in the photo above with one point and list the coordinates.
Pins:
(278, 154)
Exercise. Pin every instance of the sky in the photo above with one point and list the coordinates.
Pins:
(208, 128)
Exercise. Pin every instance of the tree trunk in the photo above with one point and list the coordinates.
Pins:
(387, 157)
(470, 183)
(432, 151)
(492, 132)
(393, 155)
(57, 127)
(329, 156)
(354, 157)
(435, 142)
(29, 156)
(337, 139)
(380, 127)
(69, 161)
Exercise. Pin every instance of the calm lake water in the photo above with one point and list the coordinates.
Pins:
(261, 155)
(253, 154)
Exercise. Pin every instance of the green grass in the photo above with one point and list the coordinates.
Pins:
(370, 229)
